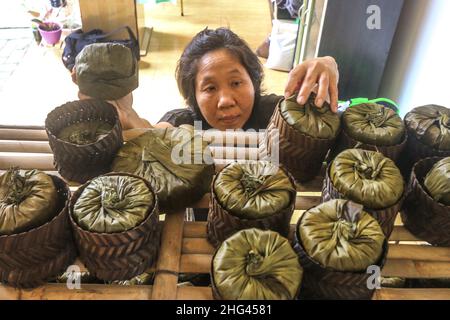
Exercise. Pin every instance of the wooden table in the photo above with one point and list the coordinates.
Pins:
(185, 250)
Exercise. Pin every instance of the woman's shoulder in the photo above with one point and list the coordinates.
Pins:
(178, 117)
(269, 100)
(264, 111)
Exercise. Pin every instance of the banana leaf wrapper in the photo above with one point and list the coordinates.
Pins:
(256, 265)
(373, 124)
(27, 200)
(428, 135)
(143, 279)
(301, 137)
(118, 255)
(321, 123)
(325, 283)
(85, 132)
(430, 125)
(372, 127)
(113, 204)
(340, 235)
(31, 258)
(385, 216)
(437, 181)
(176, 161)
(250, 194)
(253, 189)
(367, 177)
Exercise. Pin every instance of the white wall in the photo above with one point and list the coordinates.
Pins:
(418, 71)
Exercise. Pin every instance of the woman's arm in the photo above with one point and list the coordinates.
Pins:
(127, 115)
(318, 75)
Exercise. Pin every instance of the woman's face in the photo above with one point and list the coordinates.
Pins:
(223, 90)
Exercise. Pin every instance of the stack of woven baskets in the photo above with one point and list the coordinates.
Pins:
(341, 242)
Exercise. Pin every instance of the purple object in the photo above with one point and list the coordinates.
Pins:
(51, 37)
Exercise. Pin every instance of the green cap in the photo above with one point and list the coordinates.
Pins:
(106, 71)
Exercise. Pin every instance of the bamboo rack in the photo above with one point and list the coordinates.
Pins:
(184, 247)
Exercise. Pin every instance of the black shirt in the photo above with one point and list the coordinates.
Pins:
(259, 119)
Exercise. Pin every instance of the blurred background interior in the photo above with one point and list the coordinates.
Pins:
(402, 56)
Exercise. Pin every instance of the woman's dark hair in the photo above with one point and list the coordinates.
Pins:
(209, 40)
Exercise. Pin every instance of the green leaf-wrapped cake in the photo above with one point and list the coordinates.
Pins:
(428, 135)
(26, 200)
(337, 241)
(113, 204)
(177, 163)
(426, 211)
(437, 181)
(256, 265)
(250, 194)
(340, 235)
(373, 124)
(367, 177)
(301, 135)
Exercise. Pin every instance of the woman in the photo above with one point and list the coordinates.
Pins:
(220, 78)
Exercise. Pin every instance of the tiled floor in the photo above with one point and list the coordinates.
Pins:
(14, 43)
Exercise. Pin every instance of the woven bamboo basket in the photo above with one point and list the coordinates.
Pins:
(80, 163)
(301, 154)
(40, 273)
(415, 150)
(222, 224)
(326, 283)
(118, 256)
(385, 217)
(344, 142)
(423, 216)
(185, 249)
(30, 258)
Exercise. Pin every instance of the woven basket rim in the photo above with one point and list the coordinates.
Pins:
(152, 211)
(412, 137)
(79, 102)
(380, 262)
(400, 144)
(280, 212)
(58, 216)
(291, 127)
(426, 162)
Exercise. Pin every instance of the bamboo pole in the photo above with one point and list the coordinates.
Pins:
(168, 265)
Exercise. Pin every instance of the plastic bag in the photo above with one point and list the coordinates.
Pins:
(282, 45)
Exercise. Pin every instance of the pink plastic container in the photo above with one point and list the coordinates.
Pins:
(51, 37)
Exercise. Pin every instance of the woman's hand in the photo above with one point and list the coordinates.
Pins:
(321, 75)
(127, 115)
(129, 119)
